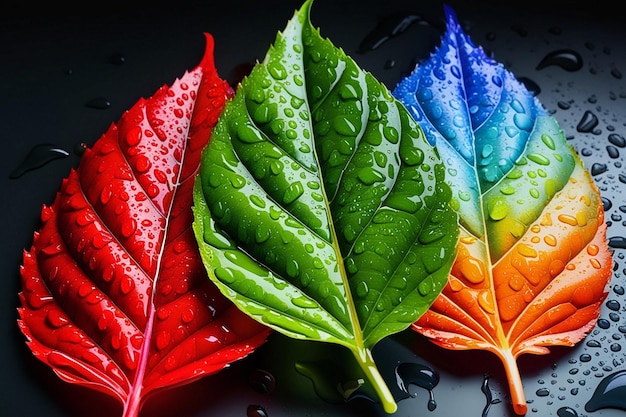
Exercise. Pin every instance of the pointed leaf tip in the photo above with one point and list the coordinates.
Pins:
(208, 59)
(452, 21)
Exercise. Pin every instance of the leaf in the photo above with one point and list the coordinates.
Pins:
(533, 263)
(114, 294)
(320, 209)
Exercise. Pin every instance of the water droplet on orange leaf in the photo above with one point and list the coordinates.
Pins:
(526, 250)
(595, 263)
(556, 267)
(582, 296)
(593, 250)
(455, 284)
(486, 302)
(550, 240)
(473, 269)
(516, 283)
(568, 219)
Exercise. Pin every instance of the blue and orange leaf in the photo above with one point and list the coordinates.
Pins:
(533, 263)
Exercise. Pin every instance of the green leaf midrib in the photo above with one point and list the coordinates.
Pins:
(355, 328)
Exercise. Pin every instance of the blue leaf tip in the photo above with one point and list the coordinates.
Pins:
(451, 19)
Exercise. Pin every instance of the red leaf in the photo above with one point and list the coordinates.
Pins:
(114, 294)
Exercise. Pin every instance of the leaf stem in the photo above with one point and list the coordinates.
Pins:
(518, 398)
(366, 362)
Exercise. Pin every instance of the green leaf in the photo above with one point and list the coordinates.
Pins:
(320, 208)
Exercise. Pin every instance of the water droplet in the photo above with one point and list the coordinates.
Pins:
(362, 289)
(588, 122)
(418, 374)
(498, 209)
(163, 340)
(520, 30)
(105, 319)
(539, 159)
(617, 242)
(99, 103)
(142, 163)
(566, 412)
(85, 289)
(507, 189)
(262, 381)
(187, 315)
(128, 227)
(617, 140)
(277, 70)
(593, 344)
(610, 393)
(387, 28)
(126, 284)
(567, 59)
(526, 250)
(255, 410)
(616, 73)
(598, 168)
(292, 192)
(37, 157)
(304, 302)
(117, 59)
(369, 176)
(484, 387)
(472, 269)
(612, 151)
(389, 64)
(56, 319)
(262, 233)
